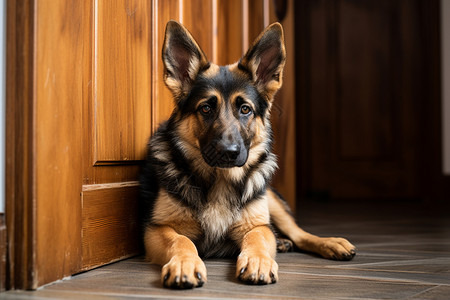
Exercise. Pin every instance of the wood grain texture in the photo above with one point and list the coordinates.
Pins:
(131, 30)
(132, 122)
(20, 192)
(255, 19)
(284, 116)
(110, 224)
(58, 137)
(122, 80)
(202, 30)
(162, 103)
(229, 31)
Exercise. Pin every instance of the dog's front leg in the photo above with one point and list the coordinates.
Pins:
(182, 267)
(256, 264)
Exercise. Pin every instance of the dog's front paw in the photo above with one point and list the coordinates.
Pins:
(184, 272)
(336, 248)
(256, 268)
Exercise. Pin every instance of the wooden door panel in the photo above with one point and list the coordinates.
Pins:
(117, 125)
(110, 228)
(122, 80)
(94, 93)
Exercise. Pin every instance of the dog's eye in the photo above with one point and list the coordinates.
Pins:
(205, 109)
(245, 109)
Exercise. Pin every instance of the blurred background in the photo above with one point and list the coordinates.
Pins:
(371, 85)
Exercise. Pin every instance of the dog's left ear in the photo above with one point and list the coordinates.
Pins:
(265, 60)
(183, 59)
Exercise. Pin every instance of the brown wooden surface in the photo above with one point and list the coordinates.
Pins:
(162, 103)
(363, 98)
(122, 80)
(284, 115)
(255, 19)
(2, 253)
(20, 213)
(197, 16)
(229, 31)
(106, 171)
(117, 114)
(58, 139)
(85, 90)
(110, 225)
(108, 117)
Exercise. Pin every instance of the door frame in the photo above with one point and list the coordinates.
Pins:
(20, 168)
(32, 211)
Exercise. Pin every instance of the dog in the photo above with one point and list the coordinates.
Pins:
(205, 183)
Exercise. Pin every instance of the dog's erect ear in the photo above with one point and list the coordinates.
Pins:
(265, 60)
(182, 57)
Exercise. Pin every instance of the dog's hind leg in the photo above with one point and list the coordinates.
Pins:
(182, 267)
(330, 247)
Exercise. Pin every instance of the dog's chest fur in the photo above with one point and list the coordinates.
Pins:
(215, 200)
(219, 212)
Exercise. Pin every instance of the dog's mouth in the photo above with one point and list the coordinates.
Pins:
(225, 156)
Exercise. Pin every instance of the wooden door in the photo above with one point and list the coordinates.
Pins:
(365, 93)
(85, 94)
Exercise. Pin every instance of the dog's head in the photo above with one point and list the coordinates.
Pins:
(222, 111)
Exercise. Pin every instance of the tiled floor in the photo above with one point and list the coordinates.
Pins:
(404, 253)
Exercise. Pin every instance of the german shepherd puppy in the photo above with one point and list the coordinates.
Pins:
(205, 184)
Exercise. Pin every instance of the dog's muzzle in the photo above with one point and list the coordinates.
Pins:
(225, 155)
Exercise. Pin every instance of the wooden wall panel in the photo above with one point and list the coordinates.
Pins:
(230, 24)
(110, 223)
(122, 80)
(202, 31)
(255, 18)
(365, 128)
(283, 115)
(162, 103)
(366, 110)
(58, 139)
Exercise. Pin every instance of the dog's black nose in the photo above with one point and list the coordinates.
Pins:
(232, 151)
(225, 154)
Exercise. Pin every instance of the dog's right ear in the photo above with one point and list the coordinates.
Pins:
(183, 59)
